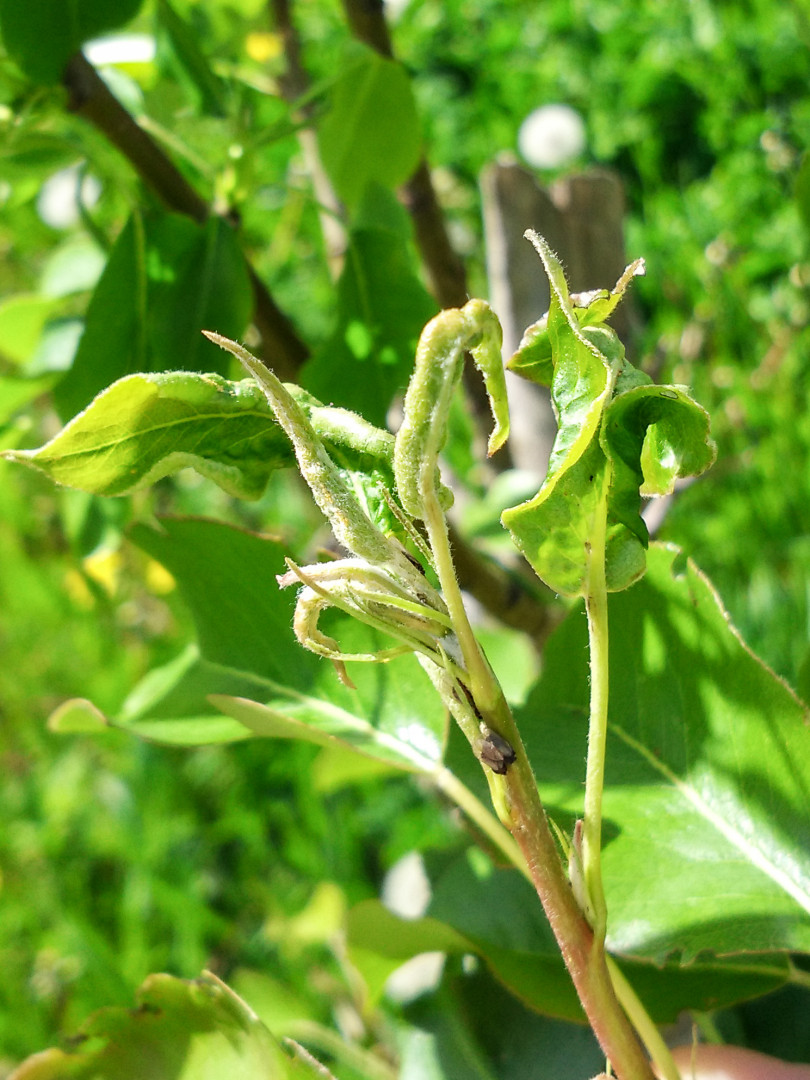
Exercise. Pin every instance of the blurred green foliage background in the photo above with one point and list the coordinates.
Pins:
(120, 858)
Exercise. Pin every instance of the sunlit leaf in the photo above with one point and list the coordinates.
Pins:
(618, 438)
(144, 427)
(708, 773)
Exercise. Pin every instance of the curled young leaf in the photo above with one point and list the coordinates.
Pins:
(369, 595)
(439, 360)
(382, 586)
(533, 359)
(619, 438)
(351, 525)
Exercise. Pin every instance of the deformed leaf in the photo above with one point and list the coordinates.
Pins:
(424, 428)
(533, 358)
(253, 678)
(619, 438)
(652, 435)
(144, 427)
(180, 1030)
(351, 525)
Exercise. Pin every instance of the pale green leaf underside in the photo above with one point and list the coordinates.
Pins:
(325, 724)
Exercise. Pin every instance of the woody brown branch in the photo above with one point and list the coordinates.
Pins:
(89, 97)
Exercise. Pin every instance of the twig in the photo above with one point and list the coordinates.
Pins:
(89, 97)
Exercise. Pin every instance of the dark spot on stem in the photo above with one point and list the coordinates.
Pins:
(496, 752)
(470, 699)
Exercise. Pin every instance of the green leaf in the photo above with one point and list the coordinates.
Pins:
(330, 488)
(311, 719)
(172, 704)
(77, 716)
(618, 438)
(145, 427)
(166, 280)
(180, 1030)
(495, 914)
(369, 356)
(371, 132)
(392, 713)
(148, 426)
(41, 35)
(184, 43)
(227, 578)
(533, 358)
(198, 278)
(708, 773)
(652, 435)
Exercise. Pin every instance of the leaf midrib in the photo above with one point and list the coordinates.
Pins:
(752, 854)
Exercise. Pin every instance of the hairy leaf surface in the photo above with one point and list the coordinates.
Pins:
(618, 438)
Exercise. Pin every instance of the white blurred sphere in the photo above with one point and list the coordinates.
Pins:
(58, 199)
(552, 136)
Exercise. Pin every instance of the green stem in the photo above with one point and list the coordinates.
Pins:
(596, 607)
(483, 684)
(582, 952)
(640, 1018)
(449, 784)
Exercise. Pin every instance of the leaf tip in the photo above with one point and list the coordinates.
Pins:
(77, 716)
